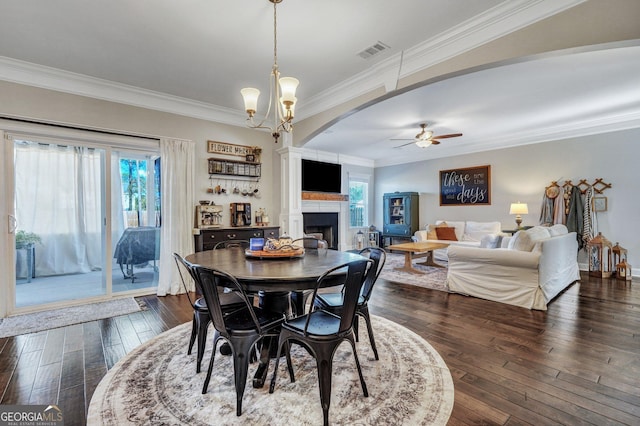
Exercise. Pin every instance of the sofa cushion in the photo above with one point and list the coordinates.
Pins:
(474, 231)
(446, 233)
(526, 240)
(558, 229)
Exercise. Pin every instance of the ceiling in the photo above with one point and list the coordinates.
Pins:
(192, 57)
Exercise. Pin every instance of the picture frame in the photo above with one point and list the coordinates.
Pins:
(469, 186)
(599, 204)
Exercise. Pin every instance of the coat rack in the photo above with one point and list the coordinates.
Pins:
(598, 185)
(552, 191)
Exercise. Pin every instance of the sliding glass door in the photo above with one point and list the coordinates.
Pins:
(59, 210)
(135, 220)
(86, 221)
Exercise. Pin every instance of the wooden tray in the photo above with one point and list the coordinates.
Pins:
(276, 254)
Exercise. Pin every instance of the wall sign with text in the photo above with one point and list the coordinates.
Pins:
(463, 187)
(229, 149)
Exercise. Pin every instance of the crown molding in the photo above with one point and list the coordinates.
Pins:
(497, 22)
(30, 74)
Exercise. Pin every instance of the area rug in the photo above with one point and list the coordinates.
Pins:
(45, 320)
(157, 384)
(432, 277)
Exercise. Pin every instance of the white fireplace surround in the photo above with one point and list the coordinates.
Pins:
(292, 206)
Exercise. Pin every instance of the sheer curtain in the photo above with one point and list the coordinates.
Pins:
(58, 197)
(177, 209)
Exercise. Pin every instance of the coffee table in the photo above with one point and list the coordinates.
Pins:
(417, 250)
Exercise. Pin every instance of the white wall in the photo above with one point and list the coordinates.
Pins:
(47, 105)
(521, 174)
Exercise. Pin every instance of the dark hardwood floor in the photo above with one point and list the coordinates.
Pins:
(577, 363)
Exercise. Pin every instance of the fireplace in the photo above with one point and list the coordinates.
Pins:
(325, 224)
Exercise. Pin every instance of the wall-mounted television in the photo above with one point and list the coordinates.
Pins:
(318, 176)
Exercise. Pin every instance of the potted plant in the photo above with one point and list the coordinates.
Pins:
(26, 239)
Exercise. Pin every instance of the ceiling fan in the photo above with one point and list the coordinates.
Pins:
(425, 138)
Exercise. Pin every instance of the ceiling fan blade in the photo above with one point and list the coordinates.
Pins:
(402, 139)
(452, 135)
(435, 142)
(405, 144)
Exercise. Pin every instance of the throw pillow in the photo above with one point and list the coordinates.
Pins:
(458, 225)
(491, 241)
(446, 233)
(431, 230)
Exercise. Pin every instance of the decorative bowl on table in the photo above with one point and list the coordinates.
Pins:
(277, 248)
(280, 244)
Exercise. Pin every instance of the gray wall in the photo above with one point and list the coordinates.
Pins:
(521, 174)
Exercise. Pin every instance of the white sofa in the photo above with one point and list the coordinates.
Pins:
(468, 234)
(529, 270)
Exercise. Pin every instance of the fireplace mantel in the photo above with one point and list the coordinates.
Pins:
(323, 196)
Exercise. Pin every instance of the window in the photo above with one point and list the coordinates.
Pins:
(358, 202)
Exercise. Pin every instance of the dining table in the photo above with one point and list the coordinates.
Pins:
(274, 279)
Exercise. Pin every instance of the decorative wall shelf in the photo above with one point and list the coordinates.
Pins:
(232, 168)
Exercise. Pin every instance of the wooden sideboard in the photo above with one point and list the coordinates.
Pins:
(207, 238)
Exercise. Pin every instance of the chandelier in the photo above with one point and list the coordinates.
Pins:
(282, 95)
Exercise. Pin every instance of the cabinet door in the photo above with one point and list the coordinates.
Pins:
(396, 211)
(272, 233)
(408, 204)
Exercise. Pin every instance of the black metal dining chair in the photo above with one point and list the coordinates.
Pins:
(230, 302)
(321, 332)
(299, 297)
(242, 329)
(332, 302)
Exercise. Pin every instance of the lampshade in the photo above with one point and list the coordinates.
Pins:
(250, 96)
(288, 85)
(519, 208)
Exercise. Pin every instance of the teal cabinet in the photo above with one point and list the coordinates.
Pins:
(400, 214)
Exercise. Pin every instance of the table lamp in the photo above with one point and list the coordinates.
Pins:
(519, 209)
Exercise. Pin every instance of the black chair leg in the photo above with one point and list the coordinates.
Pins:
(324, 363)
(362, 382)
(241, 349)
(194, 333)
(365, 314)
(203, 324)
(282, 341)
(355, 328)
(216, 337)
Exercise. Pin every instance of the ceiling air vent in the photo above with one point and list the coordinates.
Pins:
(373, 50)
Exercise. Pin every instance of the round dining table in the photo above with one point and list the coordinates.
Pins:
(273, 274)
(274, 279)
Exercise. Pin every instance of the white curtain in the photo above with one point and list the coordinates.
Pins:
(58, 197)
(177, 180)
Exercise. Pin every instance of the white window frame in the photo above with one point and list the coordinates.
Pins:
(366, 179)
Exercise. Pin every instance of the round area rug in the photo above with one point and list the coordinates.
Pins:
(157, 384)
